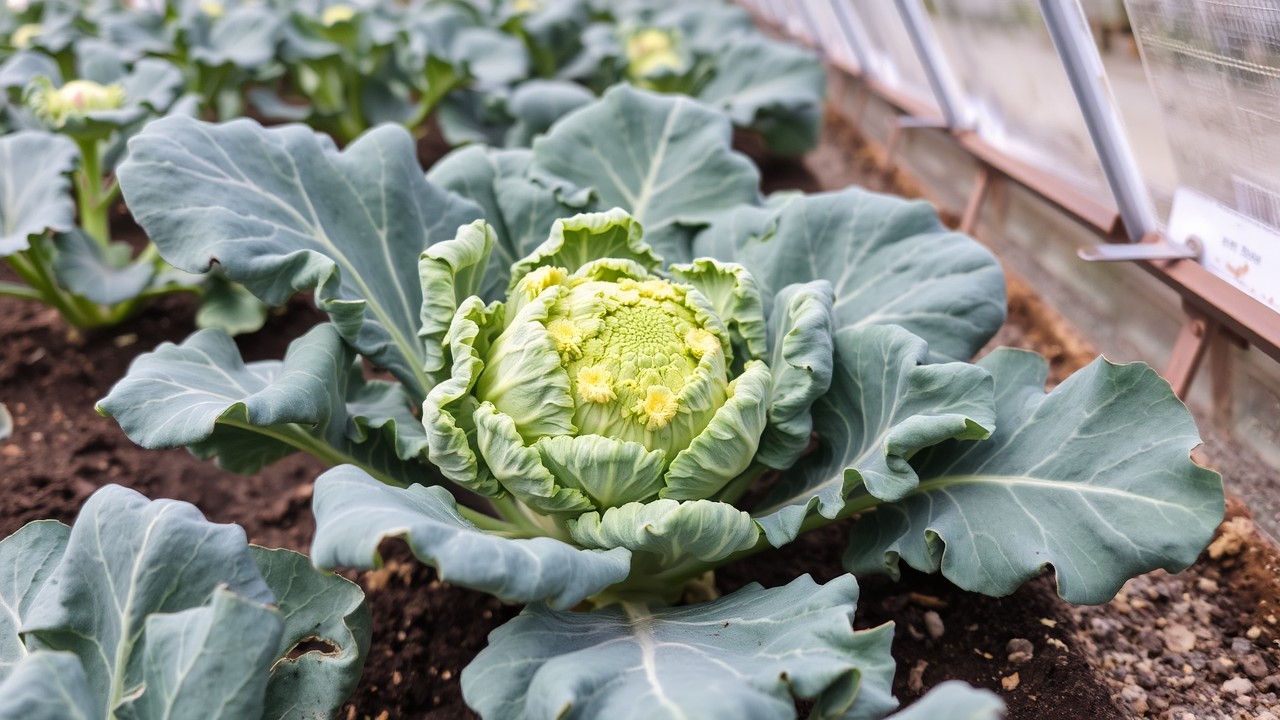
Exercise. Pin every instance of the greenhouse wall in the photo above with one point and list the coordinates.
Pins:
(1124, 311)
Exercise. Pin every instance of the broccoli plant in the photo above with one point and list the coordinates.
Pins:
(146, 610)
(612, 338)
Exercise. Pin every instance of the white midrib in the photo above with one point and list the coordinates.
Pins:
(125, 644)
(642, 627)
(659, 153)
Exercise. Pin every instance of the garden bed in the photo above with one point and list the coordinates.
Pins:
(1047, 659)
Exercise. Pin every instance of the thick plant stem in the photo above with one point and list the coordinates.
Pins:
(23, 292)
(297, 437)
(35, 267)
(91, 199)
(529, 523)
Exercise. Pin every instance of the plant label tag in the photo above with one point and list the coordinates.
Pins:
(1237, 248)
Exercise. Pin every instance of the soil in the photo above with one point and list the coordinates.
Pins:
(1083, 663)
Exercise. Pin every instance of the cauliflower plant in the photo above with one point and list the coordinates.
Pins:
(602, 388)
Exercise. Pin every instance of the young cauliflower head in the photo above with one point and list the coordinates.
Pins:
(652, 51)
(74, 100)
(602, 380)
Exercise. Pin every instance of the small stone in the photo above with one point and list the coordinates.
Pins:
(1253, 633)
(1048, 623)
(928, 601)
(1136, 698)
(1010, 683)
(1254, 666)
(1270, 683)
(933, 624)
(915, 679)
(1020, 650)
(1232, 539)
(1205, 585)
(1238, 686)
(1177, 638)
(1223, 666)
(1241, 646)
(1146, 679)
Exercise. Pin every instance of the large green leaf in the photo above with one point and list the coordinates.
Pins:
(883, 407)
(676, 531)
(246, 36)
(102, 275)
(889, 260)
(152, 612)
(126, 559)
(801, 359)
(520, 209)
(35, 190)
(743, 656)
(313, 682)
(283, 210)
(354, 513)
(1093, 479)
(537, 104)
(48, 686)
(202, 395)
(773, 87)
(28, 557)
(954, 700)
(665, 159)
(208, 660)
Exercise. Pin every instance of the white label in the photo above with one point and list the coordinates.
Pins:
(1238, 249)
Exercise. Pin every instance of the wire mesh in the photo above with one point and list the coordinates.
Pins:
(1017, 91)
(1214, 67)
(892, 58)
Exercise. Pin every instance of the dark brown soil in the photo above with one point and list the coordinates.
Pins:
(425, 632)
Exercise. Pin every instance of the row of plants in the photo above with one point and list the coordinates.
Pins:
(80, 78)
(614, 368)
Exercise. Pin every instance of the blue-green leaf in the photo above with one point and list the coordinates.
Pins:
(665, 159)
(954, 700)
(27, 558)
(801, 359)
(882, 408)
(126, 559)
(520, 209)
(48, 686)
(35, 190)
(210, 660)
(1093, 479)
(282, 210)
(313, 605)
(102, 275)
(202, 395)
(773, 87)
(746, 655)
(890, 262)
(354, 513)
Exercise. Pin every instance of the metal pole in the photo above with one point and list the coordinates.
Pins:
(778, 12)
(1079, 54)
(854, 36)
(941, 80)
(801, 8)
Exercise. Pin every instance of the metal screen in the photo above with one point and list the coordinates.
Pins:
(1214, 67)
(892, 58)
(1017, 92)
